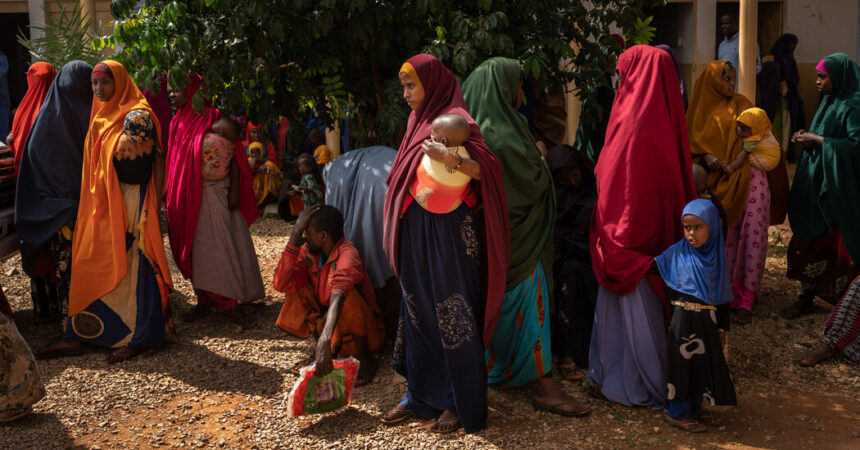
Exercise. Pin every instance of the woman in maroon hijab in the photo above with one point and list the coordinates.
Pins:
(451, 266)
(644, 179)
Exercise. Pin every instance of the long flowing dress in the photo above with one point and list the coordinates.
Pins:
(120, 277)
(644, 179)
(211, 244)
(575, 292)
(745, 194)
(440, 260)
(49, 181)
(825, 181)
(521, 350)
(20, 380)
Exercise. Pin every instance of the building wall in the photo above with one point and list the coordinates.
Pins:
(822, 27)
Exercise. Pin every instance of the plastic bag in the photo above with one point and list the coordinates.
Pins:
(316, 395)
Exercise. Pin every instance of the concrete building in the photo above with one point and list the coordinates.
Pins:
(23, 16)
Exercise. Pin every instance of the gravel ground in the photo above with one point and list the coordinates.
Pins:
(221, 385)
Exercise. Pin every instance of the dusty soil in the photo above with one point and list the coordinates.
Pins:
(221, 385)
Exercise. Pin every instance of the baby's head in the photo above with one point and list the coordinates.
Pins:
(227, 128)
(255, 150)
(700, 179)
(306, 163)
(450, 129)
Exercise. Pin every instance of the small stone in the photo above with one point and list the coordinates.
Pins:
(12, 271)
(656, 429)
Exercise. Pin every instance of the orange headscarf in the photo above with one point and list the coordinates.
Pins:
(39, 79)
(711, 120)
(99, 244)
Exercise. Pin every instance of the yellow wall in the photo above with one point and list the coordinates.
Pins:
(103, 17)
(13, 6)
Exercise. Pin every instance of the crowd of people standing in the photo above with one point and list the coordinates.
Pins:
(505, 254)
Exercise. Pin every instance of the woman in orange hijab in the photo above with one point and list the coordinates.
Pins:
(120, 277)
(39, 79)
(743, 189)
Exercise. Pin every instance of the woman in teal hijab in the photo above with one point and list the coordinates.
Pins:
(823, 206)
(520, 349)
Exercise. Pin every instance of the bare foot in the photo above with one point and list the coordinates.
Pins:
(821, 353)
(549, 397)
(568, 370)
(60, 349)
(446, 423)
(123, 353)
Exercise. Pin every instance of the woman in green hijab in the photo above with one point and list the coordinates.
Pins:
(520, 349)
(824, 205)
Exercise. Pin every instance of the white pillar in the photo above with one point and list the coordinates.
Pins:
(746, 48)
(36, 12)
(704, 31)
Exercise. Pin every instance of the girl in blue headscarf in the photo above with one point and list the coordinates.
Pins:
(696, 272)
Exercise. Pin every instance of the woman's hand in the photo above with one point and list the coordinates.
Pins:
(807, 139)
(438, 152)
(714, 163)
(9, 140)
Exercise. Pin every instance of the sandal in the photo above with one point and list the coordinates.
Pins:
(797, 309)
(708, 419)
(578, 409)
(395, 415)
(570, 372)
(689, 425)
(742, 317)
(595, 392)
(444, 426)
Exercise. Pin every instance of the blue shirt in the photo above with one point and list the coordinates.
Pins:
(728, 51)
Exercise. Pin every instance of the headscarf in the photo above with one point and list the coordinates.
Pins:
(184, 184)
(711, 121)
(668, 50)
(644, 175)
(161, 105)
(821, 67)
(700, 272)
(491, 93)
(826, 192)
(756, 119)
(49, 182)
(442, 95)
(783, 68)
(99, 260)
(39, 78)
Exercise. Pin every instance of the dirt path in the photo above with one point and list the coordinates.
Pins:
(225, 386)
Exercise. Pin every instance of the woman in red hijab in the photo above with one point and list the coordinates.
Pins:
(210, 205)
(39, 79)
(40, 267)
(439, 257)
(644, 180)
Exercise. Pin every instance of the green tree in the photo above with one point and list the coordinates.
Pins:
(270, 57)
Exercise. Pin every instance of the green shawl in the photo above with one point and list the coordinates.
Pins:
(825, 194)
(491, 92)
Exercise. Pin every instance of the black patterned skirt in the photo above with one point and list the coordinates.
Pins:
(697, 365)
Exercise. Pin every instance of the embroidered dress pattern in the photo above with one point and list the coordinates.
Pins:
(455, 321)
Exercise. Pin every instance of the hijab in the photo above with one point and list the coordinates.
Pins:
(756, 119)
(711, 120)
(442, 95)
(184, 183)
(491, 92)
(782, 68)
(700, 272)
(39, 78)
(683, 85)
(574, 205)
(826, 189)
(99, 251)
(644, 176)
(49, 181)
